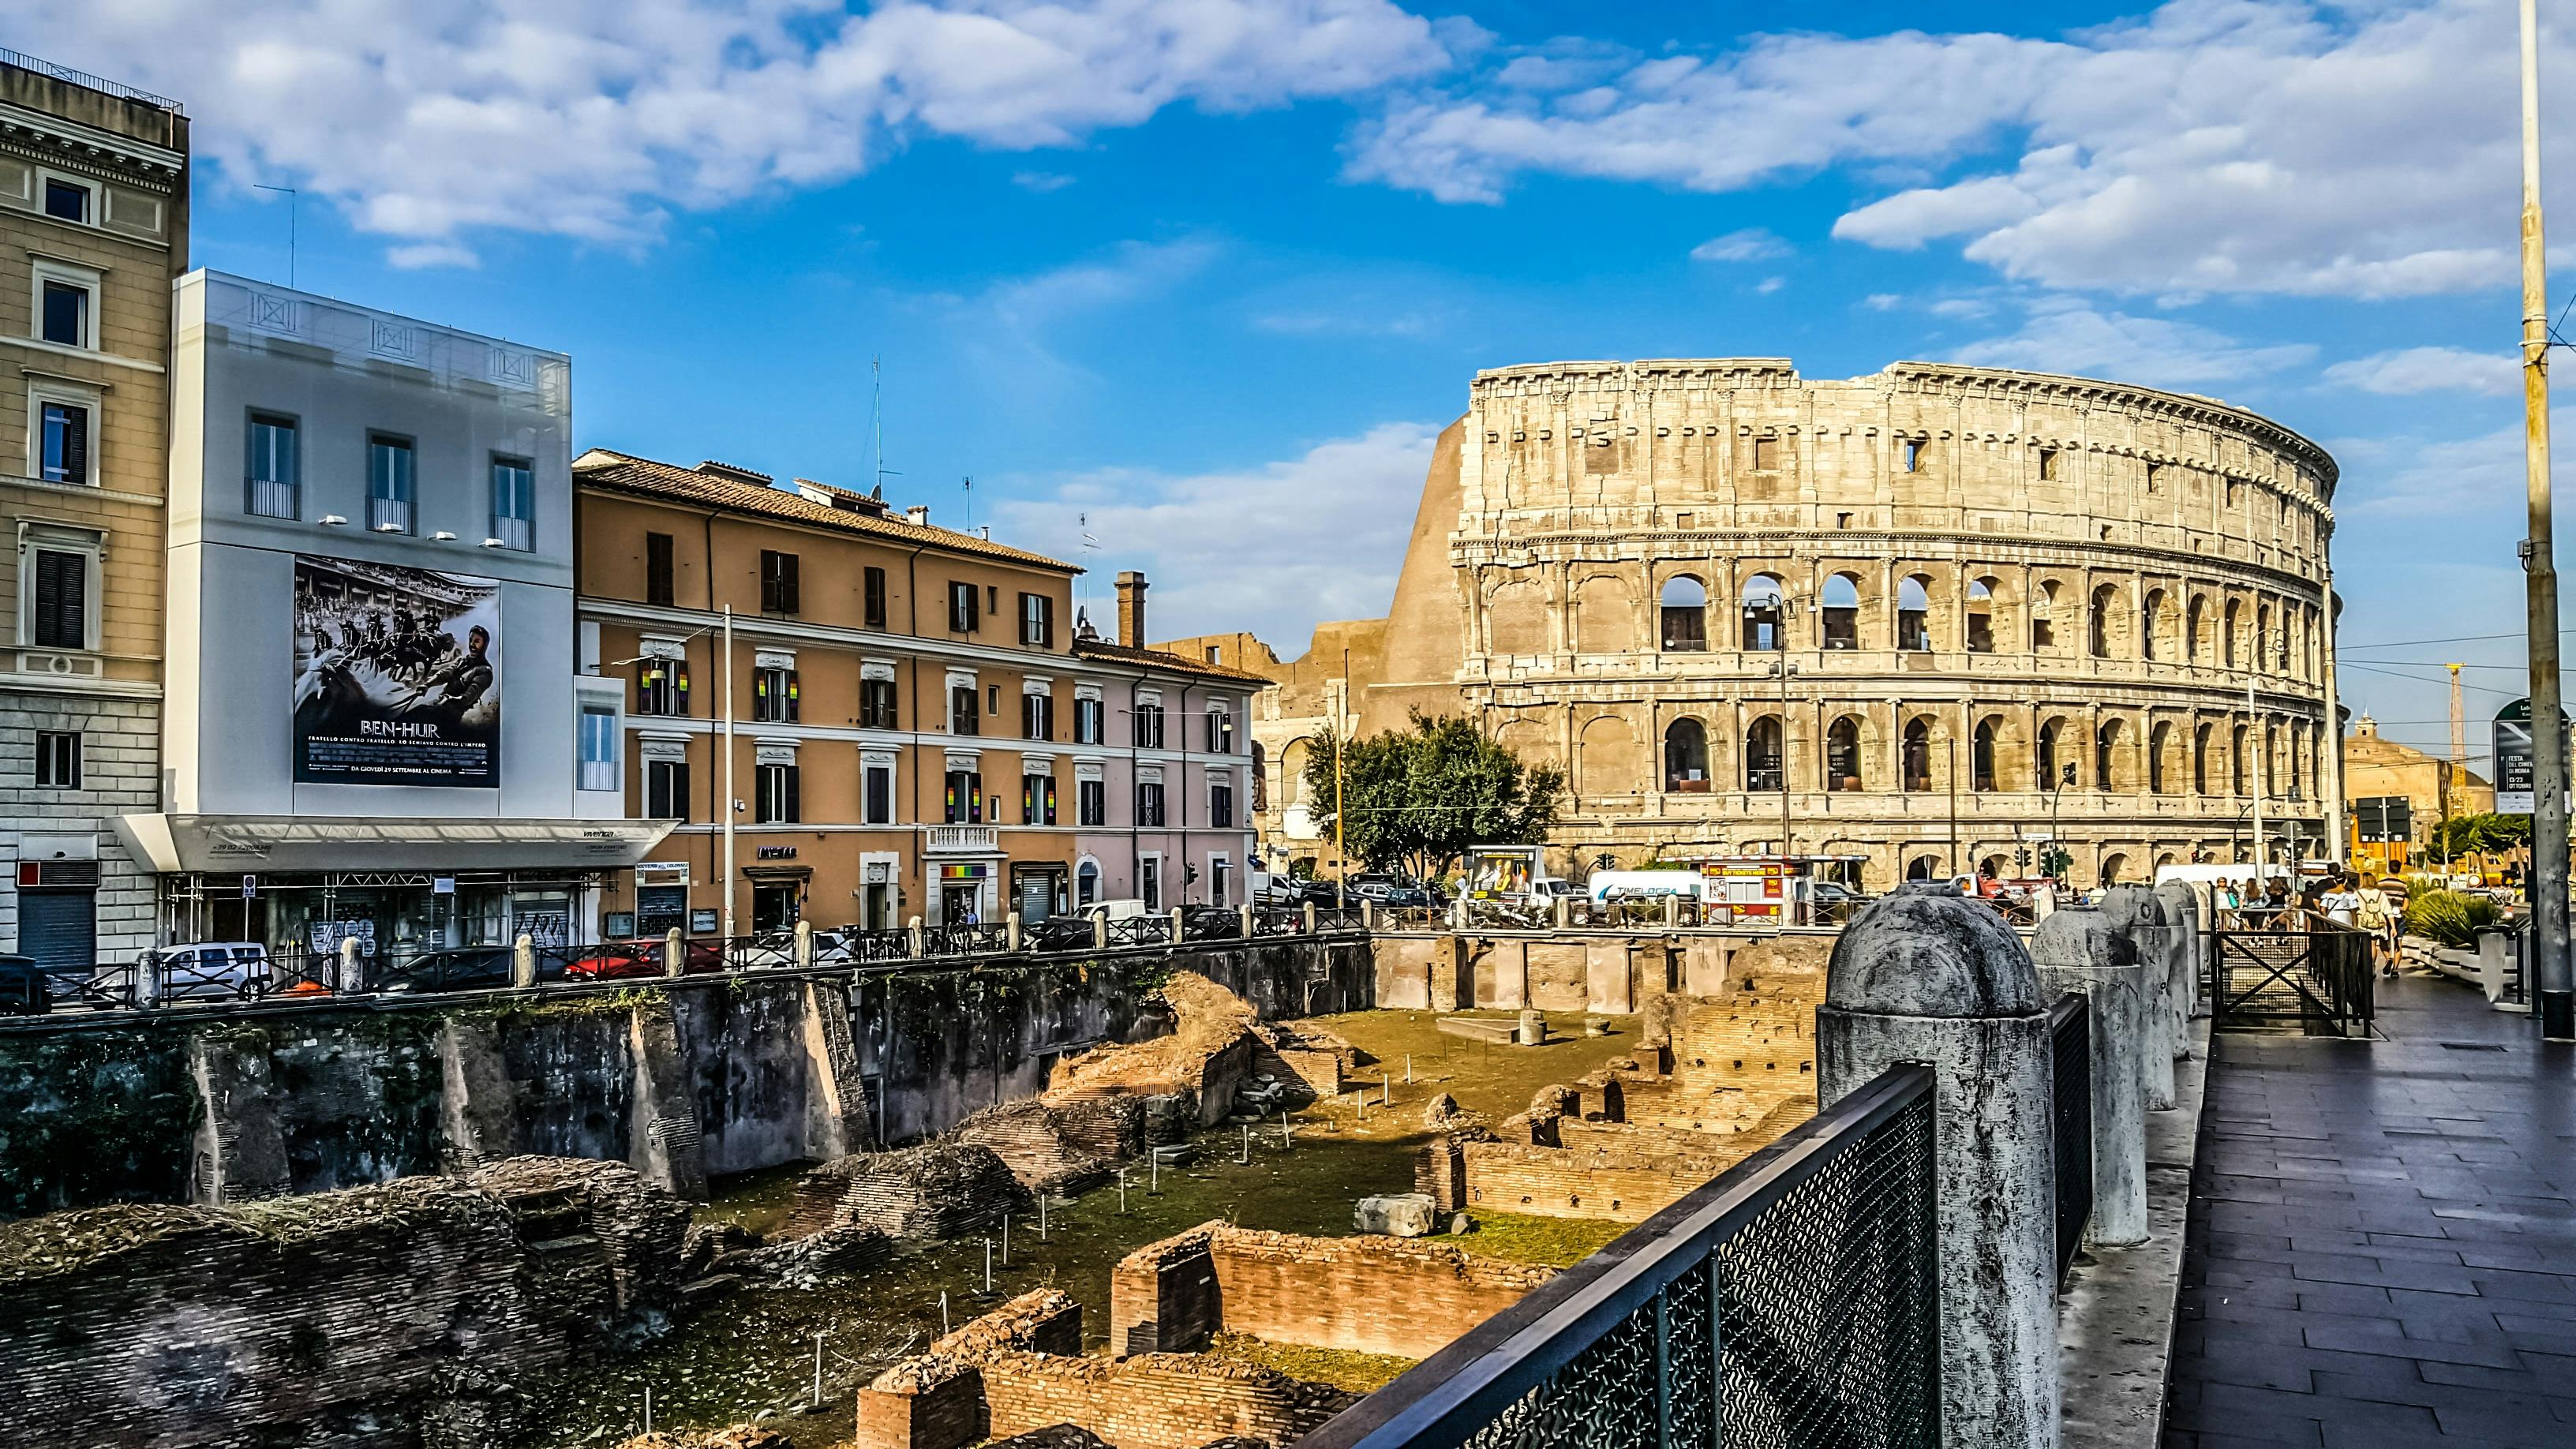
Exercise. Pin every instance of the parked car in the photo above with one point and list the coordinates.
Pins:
(459, 968)
(23, 987)
(200, 971)
(1835, 893)
(1058, 933)
(627, 960)
(1210, 923)
(1394, 895)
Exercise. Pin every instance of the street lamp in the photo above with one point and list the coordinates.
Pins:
(2057, 850)
(1777, 601)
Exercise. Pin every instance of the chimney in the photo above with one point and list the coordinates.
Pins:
(918, 515)
(1131, 609)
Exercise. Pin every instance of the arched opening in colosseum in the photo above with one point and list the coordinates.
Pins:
(2236, 763)
(2195, 620)
(1605, 761)
(2110, 772)
(1762, 762)
(1292, 770)
(1924, 867)
(1686, 756)
(2043, 626)
(1685, 614)
(1516, 619)
(1981, 754)
(1917, 754)
(2229, 623)
(1605, 616)
(2263, 631)
(2200, 760)
(1843, 754)
(2102, 621)
(2045, 753)
(1841, 612)
(2271, 760)
(1981, 616)
(1527, 738)
(2114, 867)
(1914, 613)
(1765, 613)
(2151, 617)
(1260, 777)
(2159, 740)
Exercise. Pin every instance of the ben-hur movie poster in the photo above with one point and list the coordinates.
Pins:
(397, 675)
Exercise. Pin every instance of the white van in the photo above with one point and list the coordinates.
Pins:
(1616, 885)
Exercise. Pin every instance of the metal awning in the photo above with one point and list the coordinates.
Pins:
(228, 843)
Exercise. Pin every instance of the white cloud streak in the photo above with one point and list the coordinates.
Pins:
(2064, 334)
(2428, 369)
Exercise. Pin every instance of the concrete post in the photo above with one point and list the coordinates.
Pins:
(1925, 975)
(1309, 909)
(804, 944)
(1100, 930)
(1368, 914)
(920, 939)
(2081, 951)
(348, 965)
(2182, 959)
(1180, 927)
(2135, 913)
(1532, 1030)
(1672, 911)
(147, 981)
(1248, 925)
(1011, 931)
(1563, 910)
(673, 953)
(523, 961)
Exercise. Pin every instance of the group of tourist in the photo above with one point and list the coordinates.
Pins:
(2345, 900)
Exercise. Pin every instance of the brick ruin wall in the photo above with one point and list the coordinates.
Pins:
(929, 1193)
(394, 1315)
(1363, 1294)
(1060, 1146)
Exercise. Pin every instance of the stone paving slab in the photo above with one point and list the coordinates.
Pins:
(2382, 1249)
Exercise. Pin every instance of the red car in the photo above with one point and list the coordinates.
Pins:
(628, 960)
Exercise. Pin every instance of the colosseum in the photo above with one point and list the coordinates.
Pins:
(1925, 621)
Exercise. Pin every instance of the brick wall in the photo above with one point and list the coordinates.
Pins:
(1621, 1186)
(938, 1191)
(1152, 1401)
(936, 1399)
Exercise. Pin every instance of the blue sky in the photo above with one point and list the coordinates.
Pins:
(1212, 272)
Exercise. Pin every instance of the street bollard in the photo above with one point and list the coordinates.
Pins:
(804, 944)
(673, 953)
(523, 961)
(920, 938)
(1180, 930)
(2080, 950)
(1927, 976)
(1309, 909)
(1672, 911)
(2135, 913)
(1011, 931)
(2182, 959)
(1100, 931)
(1368, 914)
(348, 964)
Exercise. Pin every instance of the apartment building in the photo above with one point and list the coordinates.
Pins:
(93, 228)
(917, 727)
(373, 725)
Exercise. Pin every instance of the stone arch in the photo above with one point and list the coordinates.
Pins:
(2111, 747)
(2162, 755)
(2050, 758)
(1527, 738)
(1985, 754)
(1839, 611)
(1846, 758)
(1605, 615)
(1914, 754)
(2151, 627)
(1982, 615)
(1292, 769)
(1765, 607)
(2230, 622)
(1923, 867)
(2200, 742)
(2195, 629)
(1605, 759)
(1683, 608)
(1260, 777)
(2237, 777)
(2103, 624)
(1686, 756)
(1516, 618)
(1914, 613)
(1765, 754)
(2043, 618)
(2115, 866)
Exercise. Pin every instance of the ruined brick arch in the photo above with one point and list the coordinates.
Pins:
(2164, 759)
(1917, 745)
(1998, 754)
(2114, 869)
(1605, 615)
(1516, 618)
(2114, 761)
(1292, 769)
(1838, 615)
(2156, 640)
(2106, 623)
(1527, 738)
(2054, 628)
(2204, 773)
(1606, 760)
(1991, 617)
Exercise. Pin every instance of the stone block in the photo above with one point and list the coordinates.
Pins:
(1402, 1215)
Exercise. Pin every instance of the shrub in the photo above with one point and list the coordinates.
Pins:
(2447, 917)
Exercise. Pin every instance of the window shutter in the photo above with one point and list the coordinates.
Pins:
(680, 794)
(62, 600)
(795, 696)
(75, 445)
(795, 794)
(787, 585)
(974, 606)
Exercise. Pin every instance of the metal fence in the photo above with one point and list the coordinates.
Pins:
(2320, 980)
(2070, 1031)
(1789, 1303)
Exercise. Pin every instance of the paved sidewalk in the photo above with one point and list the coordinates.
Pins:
(2383, 1237)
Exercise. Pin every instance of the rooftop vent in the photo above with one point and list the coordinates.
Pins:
(828, 496)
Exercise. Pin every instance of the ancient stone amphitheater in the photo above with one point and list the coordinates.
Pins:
(2012, 607)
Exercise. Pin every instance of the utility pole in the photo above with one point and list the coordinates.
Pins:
(2548, 877)
(1341, 740)
(2259, 775)
(725, 698)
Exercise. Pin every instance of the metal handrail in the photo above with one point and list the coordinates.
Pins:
(42, 66)
(1451, 1396)
(2070, 1032)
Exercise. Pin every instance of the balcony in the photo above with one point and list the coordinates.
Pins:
(961, 840)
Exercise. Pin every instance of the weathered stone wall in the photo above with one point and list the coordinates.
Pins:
(1152, 1401)
(392, 1315)
(1626, 1185)
(930, 1193)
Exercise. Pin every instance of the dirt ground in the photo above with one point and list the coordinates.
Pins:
(755, 1350)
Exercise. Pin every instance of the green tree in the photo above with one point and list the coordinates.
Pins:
(1417, 798)
(2476, 834)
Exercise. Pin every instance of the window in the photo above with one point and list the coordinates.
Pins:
(1091, 802)
(1220, 726)
(66, 314)
(1037, 716)
(777, 582)
(875, 600)
(389, 484)
(598, 748)
(775, 698)
(272, 472)
(1221, 803)
(1766, 613)
(876, 704)
(877, 798)
(1981, 616)
(2155, 477)
(1685, 615)
(1089, 717)
(777, 796)
(666, 789)
(66, 200)
(58, 759)
(963, 717)
(1913, 456)
(661, 687)
(1149, 725)
(1037, 799)
(63, 449)
(965, 800)
(963, 615)
(659, 586)
(2043, 634)
(1149, 803)
(1914, 614)
(1216, 652)
(993, 700)
(1037, 621)
(1149, 882)
(1766, 455)
(2048, 465)
(60, 617)
(1220, 881)
(514, 503)
(993, 595)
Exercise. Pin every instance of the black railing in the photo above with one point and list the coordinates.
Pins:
(2319, 979)
(42, 66)
(1791, 1302)
(1153, 930)
(2070, 1031)
(1214, 923)
(1276, 922)
(971, 938)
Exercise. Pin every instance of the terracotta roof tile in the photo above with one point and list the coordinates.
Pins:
(1157, 659)
(625, 473)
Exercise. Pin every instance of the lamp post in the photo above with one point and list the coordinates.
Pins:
(1779, 606)
(2057, 849)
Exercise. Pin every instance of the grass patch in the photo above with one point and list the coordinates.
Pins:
(1551, 1242)
(1360, 1373)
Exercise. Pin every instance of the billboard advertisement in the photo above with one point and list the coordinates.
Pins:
(397, 675)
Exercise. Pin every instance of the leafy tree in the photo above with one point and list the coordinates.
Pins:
(1419, 797)
(2478, 834)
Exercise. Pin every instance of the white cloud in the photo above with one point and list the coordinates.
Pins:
(1041, 181)
(1753, 244)
(1011, 324)
(2448, 478)
(1275, 548)
(2429, 369)
(595, 118)
(431, 254)
(2062, 334)
(2214, 146)
(1769, 285)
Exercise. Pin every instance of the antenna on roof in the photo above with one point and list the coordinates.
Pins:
(967, 485)
(876, 424)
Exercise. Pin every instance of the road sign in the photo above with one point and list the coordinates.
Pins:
(2513, 757)
(250, 886)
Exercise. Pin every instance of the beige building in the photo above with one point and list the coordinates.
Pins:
(2012, 608)
(2378, 768)
(93, 229)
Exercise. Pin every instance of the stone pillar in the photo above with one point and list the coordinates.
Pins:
(920, 939)
(1180, 926)
(2135, 913)
(1244, 912)
(523, 961)
(2081, 951)
(478, 1116)
(1011, 931)
(240, 1148)
(1307, 908)
(836, 1099)
(1925, 975)
(1100, 929)
(2182, 959)
(349, 969)
(673, 953)
(804, 944)
(663, 1141)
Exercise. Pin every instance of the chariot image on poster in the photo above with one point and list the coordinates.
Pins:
(397, 675)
